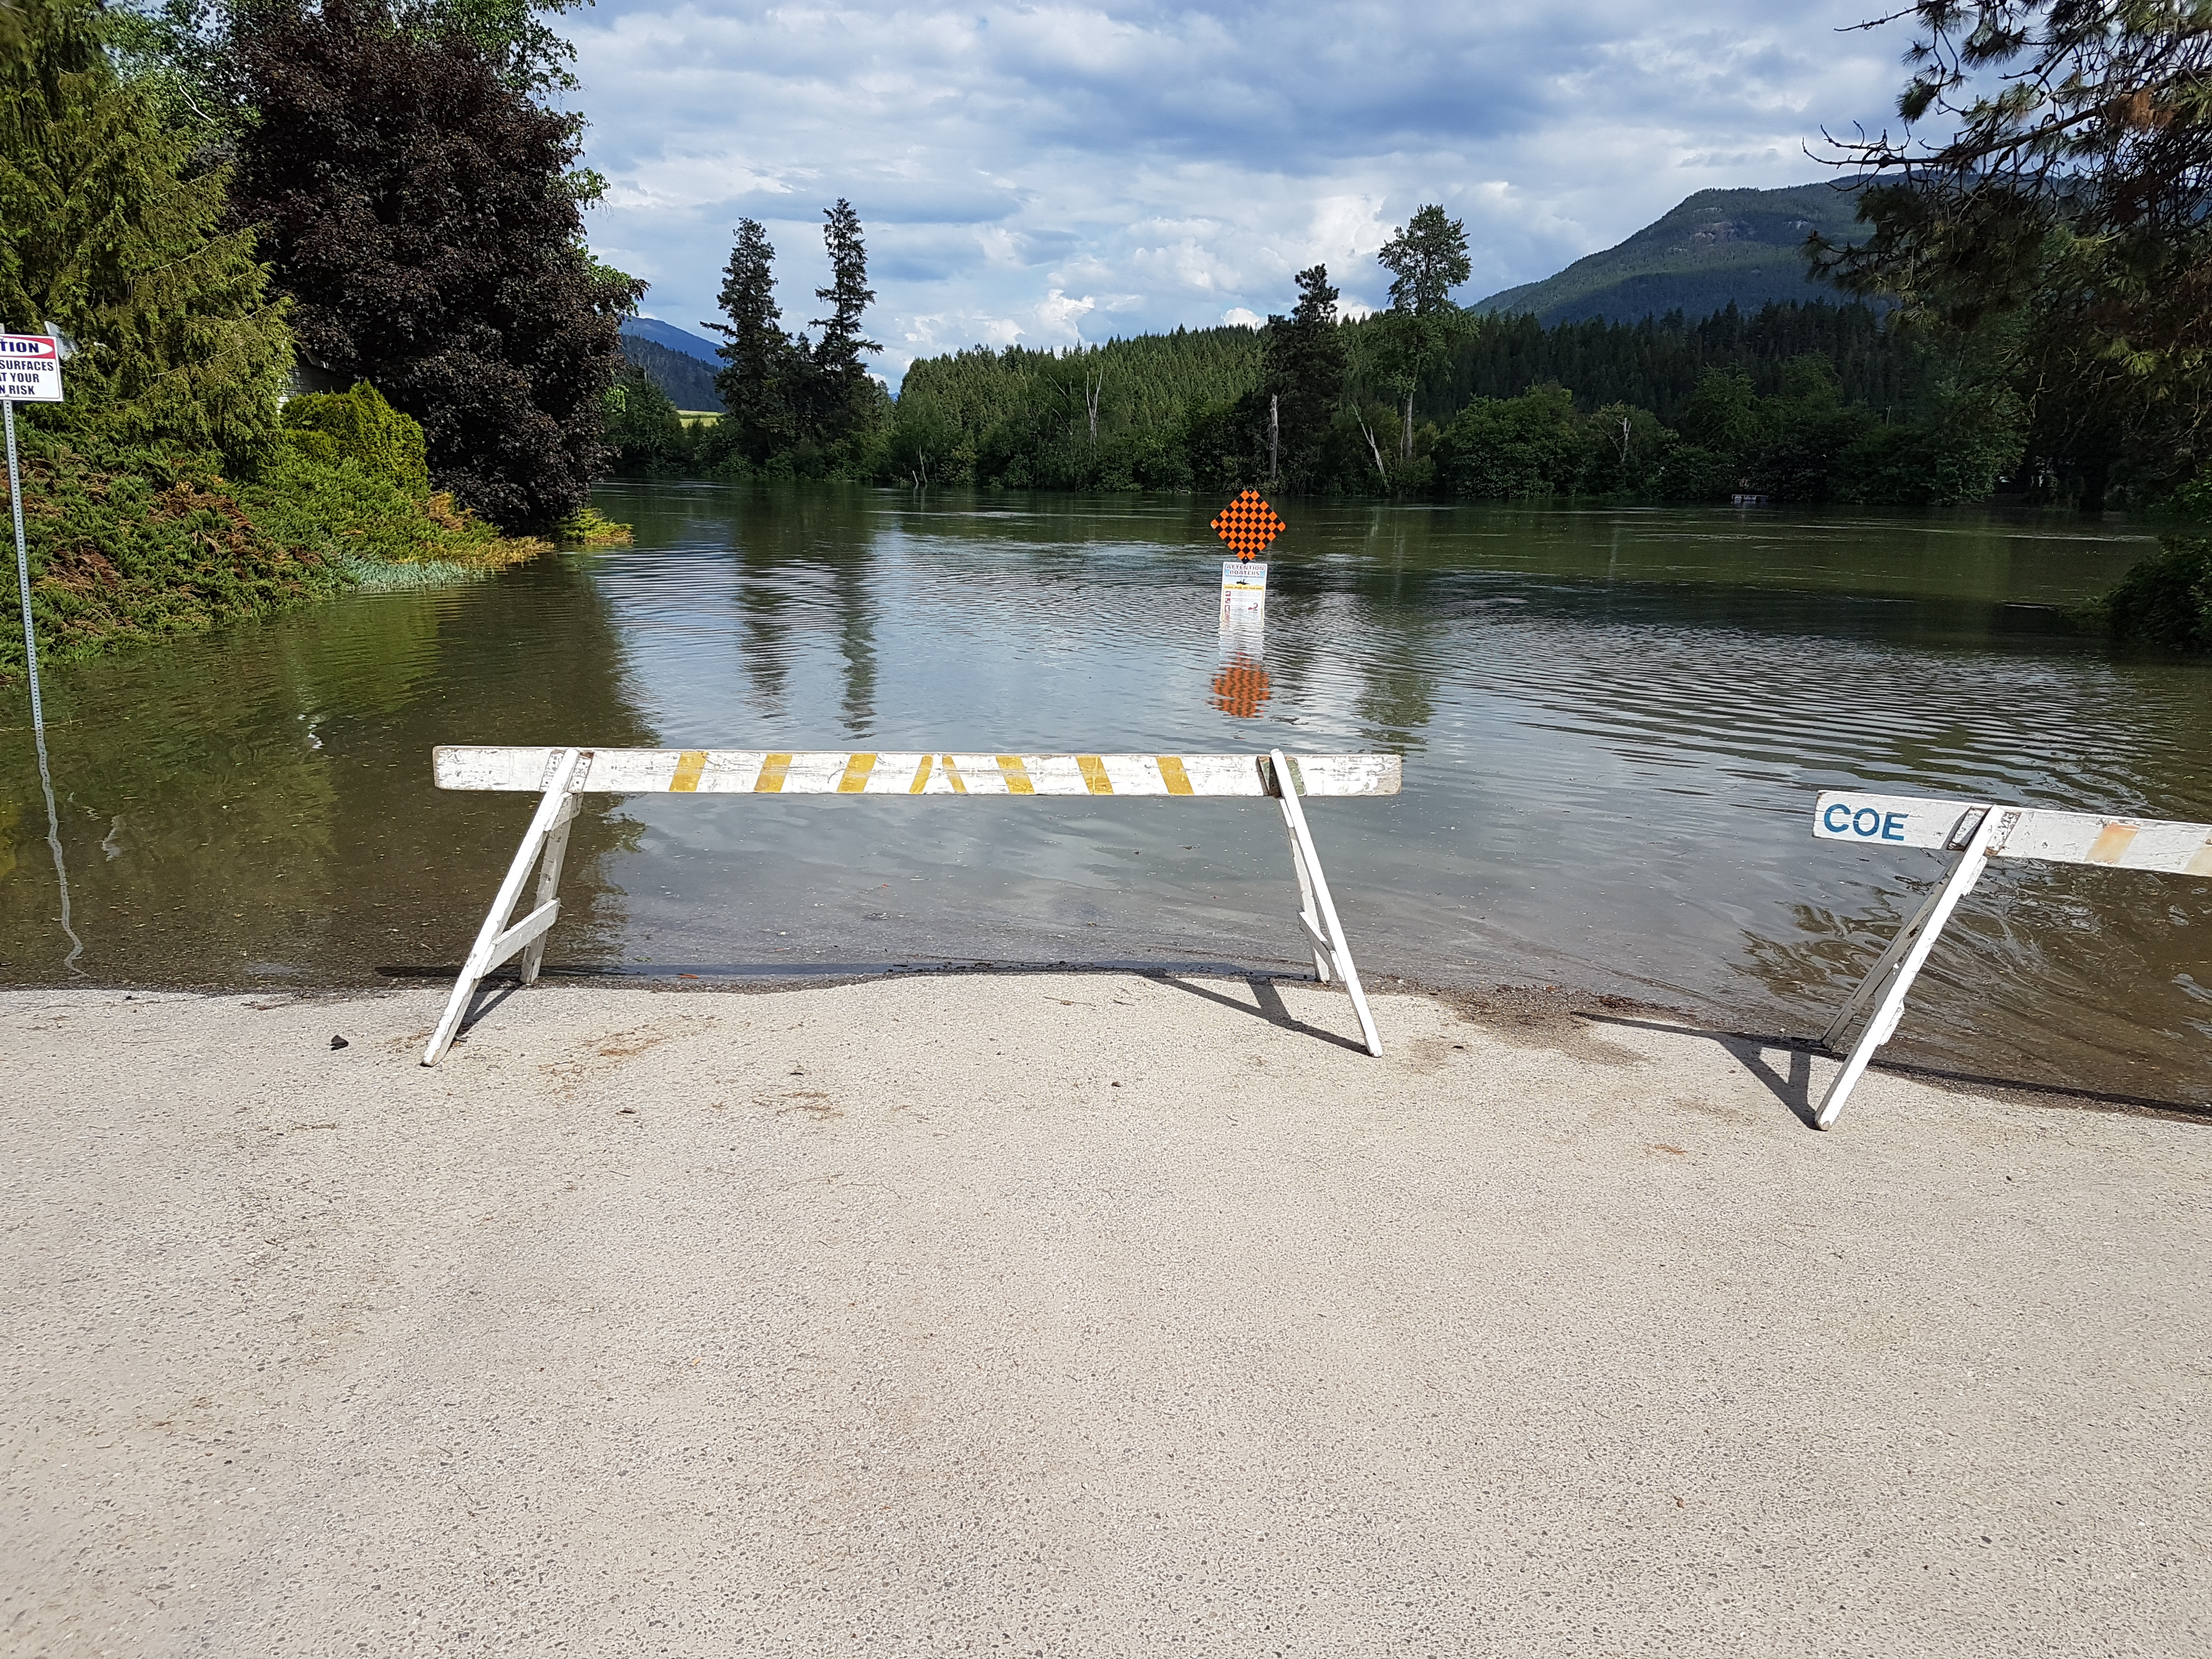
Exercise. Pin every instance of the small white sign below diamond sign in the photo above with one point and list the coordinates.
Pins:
(30, 369)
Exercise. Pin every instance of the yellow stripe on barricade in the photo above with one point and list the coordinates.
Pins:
(2113, 840)
(752, 771)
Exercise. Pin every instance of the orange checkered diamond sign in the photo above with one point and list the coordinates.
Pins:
(1248, 525)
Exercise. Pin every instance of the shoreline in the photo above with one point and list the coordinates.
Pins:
(1503, 1006)
(1097, 1314)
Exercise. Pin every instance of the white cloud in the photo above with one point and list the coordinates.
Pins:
(1061, 171)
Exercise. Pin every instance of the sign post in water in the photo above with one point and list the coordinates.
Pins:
(1248, 525)
(30, 373)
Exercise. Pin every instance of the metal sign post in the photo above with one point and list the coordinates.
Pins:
(31, 373)
(1977, 831)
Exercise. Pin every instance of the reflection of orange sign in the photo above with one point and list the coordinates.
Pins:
(1240, 688)
(1248, 525)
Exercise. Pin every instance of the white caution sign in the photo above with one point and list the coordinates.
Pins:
(1977, 831)
(30, 369)
(1243, 590)
(562, 777)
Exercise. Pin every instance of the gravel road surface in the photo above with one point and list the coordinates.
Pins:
(1075, 1315)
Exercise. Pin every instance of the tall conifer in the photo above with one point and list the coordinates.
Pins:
(177, 339)
(1305, 375)
(841, 379)
(760, 362)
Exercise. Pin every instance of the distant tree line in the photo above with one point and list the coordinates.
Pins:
(1813, 401)
(1312, 404)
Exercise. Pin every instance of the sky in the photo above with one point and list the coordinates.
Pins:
(1057, 174)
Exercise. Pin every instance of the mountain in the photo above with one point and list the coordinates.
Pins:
(689, 383)
(1716, 247)
(674, 338)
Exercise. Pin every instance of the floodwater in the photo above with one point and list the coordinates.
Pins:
(1613, 723)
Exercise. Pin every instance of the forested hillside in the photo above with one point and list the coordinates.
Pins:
(683, 379)
(1712, 250)
(1114, 416)
(1656, 363)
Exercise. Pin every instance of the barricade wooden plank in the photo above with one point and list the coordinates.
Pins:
(753, 771)
(2123, 843)
(560, 776)
(1893, 820)
(2022, 832)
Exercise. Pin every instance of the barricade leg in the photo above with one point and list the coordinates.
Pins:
(1317, 911)
(1901, 965)
(495, 941)
(549, 883)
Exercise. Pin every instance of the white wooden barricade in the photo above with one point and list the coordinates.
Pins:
(562, 777)
(1976, 831)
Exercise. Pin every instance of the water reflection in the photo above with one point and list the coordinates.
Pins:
(1242, 686)
(256, 807)
(54, 843)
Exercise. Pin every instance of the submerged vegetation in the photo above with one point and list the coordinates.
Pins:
(2165, 602)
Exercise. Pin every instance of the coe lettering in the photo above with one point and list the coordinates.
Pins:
(1866, 822)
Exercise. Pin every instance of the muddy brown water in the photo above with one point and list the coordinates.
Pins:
(1613, 722)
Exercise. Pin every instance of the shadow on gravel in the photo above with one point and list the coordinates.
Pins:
(1794, 1088)
(1266, 1004)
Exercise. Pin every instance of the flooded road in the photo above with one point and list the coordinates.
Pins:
(1613, 723)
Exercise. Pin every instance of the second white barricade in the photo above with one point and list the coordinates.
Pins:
(1976, 831)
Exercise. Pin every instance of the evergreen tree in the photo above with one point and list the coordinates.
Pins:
(112, 239)
(1303, 381)
(420, 211)
(1427, 260)
(762, 362)
(841, 382)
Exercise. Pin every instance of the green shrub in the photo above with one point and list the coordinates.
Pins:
(2165, 601)
(363, 427)
(346, 511)
(130, 557)
(589, 527)
(1502, 448)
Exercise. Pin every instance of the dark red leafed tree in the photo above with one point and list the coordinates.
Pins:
(418, 209)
